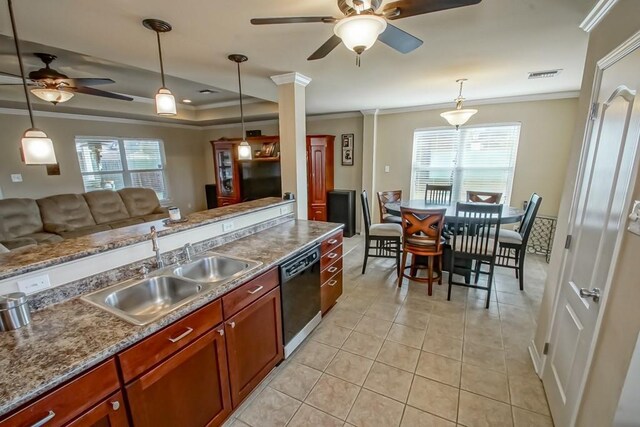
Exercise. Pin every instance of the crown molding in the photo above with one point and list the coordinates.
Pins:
(596, 15)
(318, 117)
(295, 77)
(230, 103)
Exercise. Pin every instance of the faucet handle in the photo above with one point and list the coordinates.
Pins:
(144, 270)
(175, 260)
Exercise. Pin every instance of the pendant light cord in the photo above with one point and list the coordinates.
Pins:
(244, 135)
(160, 56)
(24, 79)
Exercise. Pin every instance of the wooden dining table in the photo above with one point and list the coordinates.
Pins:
(510, 214)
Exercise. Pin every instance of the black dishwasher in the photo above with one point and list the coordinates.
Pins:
(300, 287)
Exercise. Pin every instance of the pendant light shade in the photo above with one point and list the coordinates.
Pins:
(54, 96)
(244, 149)
(165, 101)
(37, 147)
(460, 115)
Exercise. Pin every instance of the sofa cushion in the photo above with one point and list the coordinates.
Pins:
(44, 237)
(19, 217)
(125, 223)
(140, 201)
(18, 242)
(64, 213)
(106, 206)
(79, 232)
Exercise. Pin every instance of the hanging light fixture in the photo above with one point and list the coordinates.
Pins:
(459, 116)
(244, 149)
(51, 95)
(360, 32)
(165, 101)
(37, 147)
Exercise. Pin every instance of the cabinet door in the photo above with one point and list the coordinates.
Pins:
(108, 413)
(226, 172)
(254, 344)
(317, 184)
(189, 389)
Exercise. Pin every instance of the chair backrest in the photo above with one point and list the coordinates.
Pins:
(423, 228)
(483, 197)
(477, 227)
(366, 212)
(385, 197)
(438, 194)
(529, 217)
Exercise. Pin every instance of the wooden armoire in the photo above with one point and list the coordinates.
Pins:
(319, 174)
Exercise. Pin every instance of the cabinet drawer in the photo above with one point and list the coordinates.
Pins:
(330, 257)
(330, 292)
(251, 291)
(110, 412)
(154, 349)
(330, 271)
(331, 242)
(69, 401)
(318, 213)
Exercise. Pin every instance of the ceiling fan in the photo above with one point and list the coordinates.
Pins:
(55, 87)
(363, 24)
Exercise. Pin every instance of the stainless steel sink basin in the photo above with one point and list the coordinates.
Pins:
(145, 300)
(214, 268)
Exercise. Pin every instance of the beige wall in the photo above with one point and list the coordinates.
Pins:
(545, 139)
(183, 148)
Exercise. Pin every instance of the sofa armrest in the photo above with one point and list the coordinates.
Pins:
(55, 228)
(161, 210)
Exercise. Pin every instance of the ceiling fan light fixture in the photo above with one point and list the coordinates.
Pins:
(165, 103)
(37, 148)
(360, 32)
(54, 96)
(460, 115)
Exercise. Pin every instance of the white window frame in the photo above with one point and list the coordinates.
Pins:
(126, 172)
(458, 170)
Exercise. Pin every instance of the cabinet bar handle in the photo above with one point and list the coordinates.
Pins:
(232, 324)
(332, 241)
(333, 269)
(332, 255)
(256, 290)
(115, 405)
(45, 420)
(182, 335)
(332, 282)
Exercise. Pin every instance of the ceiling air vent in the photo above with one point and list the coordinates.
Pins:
(208, 91)
(544, 74)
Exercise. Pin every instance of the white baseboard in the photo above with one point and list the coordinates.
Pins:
(535, 358)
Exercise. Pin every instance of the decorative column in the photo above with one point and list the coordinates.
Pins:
(369, 142)
(293, 137)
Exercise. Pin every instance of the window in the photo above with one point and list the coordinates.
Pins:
(115, 163)
(480, 158)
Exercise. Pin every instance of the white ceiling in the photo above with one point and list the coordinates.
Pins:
(494, 44)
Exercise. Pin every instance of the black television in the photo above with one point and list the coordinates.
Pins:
(260, 179)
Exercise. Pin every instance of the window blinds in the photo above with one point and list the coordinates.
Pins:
(480, 158)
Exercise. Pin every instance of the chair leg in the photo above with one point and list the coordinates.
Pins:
(398, 249)
(489, 286)
(402, 264)
(366, 255)
(430, 278)
(440, 262)
(517, 259)
(521, 270)
(414, 269)
(478, 267)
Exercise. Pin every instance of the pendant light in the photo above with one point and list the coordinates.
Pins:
(244, 149)
(37, 147)
(165, 101)
(459, 116)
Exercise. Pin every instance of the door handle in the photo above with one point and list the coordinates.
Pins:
(594, 294)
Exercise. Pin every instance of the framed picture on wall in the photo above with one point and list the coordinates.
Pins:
(347, 149)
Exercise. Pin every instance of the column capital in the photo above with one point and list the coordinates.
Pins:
(295, 77)
(372, 112)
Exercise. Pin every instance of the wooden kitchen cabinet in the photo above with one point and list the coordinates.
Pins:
(108, 413)
(330, 271)
(319, 174)
(225, 160)
(254, 344)
(191, 388)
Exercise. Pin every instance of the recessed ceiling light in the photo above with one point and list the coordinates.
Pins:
(208, 91)
(187, 101)
(544, 74)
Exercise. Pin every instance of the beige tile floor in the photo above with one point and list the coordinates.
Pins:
(389, 356)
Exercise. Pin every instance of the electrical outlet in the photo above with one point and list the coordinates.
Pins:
(387, 169)
(34, 284)
(16, 177)
(227, 226)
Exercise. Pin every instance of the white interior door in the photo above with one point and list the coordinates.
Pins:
(598, 212)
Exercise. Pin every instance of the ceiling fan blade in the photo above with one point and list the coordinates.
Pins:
(294, 20)
(326, 48)
(17, 76)
(97, 92)
(405, 8)
(400, 40)
(89, 81)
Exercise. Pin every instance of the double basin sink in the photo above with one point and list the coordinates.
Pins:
(142, 301)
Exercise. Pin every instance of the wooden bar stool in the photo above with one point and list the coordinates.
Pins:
(484, 197)
(385, 197)
(422, 236)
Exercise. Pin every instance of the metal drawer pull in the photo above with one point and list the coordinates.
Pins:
(182, 335)
(232, 324)
(332, 282)
(332, 255)
(332, 241)
(221, 332)
(332, 269)
(45, 420)
(256, 290)
(115, 405)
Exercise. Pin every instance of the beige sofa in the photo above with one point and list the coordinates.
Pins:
(51, 219)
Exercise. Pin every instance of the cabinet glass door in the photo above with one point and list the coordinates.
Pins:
(224, 157)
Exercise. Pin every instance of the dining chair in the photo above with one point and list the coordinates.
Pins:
(385, 197)
(477, 242)
(513, 244)
(483, 197)
(422, 237)
(381, 240)
(438, 194)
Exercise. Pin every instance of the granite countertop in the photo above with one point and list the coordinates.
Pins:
(66, 339)
(34, 258)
